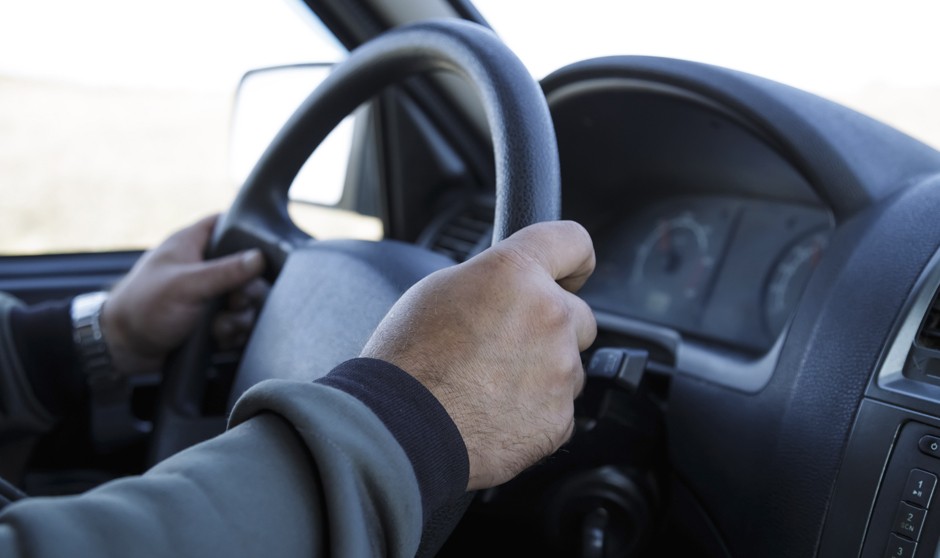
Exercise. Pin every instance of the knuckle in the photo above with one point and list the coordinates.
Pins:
(508, 259)
(574, 232)
(585, 314)
(581, 308)
(575, 366)
(553, 311)
(582, 237)
(572, 228)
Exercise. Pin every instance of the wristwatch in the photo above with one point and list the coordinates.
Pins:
(90, 343)
(113, 423)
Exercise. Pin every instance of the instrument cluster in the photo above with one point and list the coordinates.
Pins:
(728, 269)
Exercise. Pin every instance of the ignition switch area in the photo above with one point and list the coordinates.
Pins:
(601, 494)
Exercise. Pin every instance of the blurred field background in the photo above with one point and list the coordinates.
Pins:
(105, 168)
(114, 115)
(102, 168)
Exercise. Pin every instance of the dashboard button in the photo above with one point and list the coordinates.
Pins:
(909, 520)
(899, 547)
(930, 445)
(919, 487)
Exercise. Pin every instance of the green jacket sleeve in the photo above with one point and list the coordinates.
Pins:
(21, 413)
(305, 469)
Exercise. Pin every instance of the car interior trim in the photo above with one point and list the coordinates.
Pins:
(891, 375)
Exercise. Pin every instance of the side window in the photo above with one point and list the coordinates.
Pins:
(115, 115)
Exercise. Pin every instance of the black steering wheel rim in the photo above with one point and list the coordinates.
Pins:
(527, 174)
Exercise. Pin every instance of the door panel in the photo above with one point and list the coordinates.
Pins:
(34, 279)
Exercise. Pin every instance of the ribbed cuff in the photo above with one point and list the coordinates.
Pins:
(417, 420)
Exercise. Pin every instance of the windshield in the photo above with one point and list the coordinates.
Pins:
(880, 58)
(114, 115)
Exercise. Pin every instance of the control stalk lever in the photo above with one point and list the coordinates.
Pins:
(624, 367)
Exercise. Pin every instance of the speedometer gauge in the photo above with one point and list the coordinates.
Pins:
(789, 277)
(673, 264)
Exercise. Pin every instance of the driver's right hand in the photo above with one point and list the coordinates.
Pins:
(497, 340)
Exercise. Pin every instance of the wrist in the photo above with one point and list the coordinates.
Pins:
(126, 359)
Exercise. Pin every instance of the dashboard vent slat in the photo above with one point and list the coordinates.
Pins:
(464, 232)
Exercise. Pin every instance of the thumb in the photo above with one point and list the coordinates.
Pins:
(212, 278)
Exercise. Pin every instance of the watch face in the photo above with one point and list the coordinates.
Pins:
(86, 305)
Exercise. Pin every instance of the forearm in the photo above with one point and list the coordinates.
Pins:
(305, 470)
(250, 492)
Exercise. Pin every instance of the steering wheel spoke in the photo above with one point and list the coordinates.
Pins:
(275, 238)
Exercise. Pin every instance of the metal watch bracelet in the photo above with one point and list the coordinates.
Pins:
(90, 345)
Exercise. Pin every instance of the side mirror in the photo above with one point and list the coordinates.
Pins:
(264, 100)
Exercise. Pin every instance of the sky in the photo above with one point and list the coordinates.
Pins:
(819, 45)
(827, 45)
(171, 43)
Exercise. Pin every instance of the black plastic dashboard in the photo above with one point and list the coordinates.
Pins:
(767, 241)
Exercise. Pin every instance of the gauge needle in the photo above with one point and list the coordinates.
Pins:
(665, 242)
(665, 245)
(817, 253)
(694, 277)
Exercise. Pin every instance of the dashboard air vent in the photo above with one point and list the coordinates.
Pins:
(923, 361)
(464, 232)
(912, 363)
(929, 334)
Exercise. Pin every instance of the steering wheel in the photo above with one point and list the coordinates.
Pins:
(328, 296)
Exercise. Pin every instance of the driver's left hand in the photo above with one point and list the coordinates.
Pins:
(160, 302)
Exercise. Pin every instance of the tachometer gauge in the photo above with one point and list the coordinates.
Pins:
(789, 277)
(673, 265)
